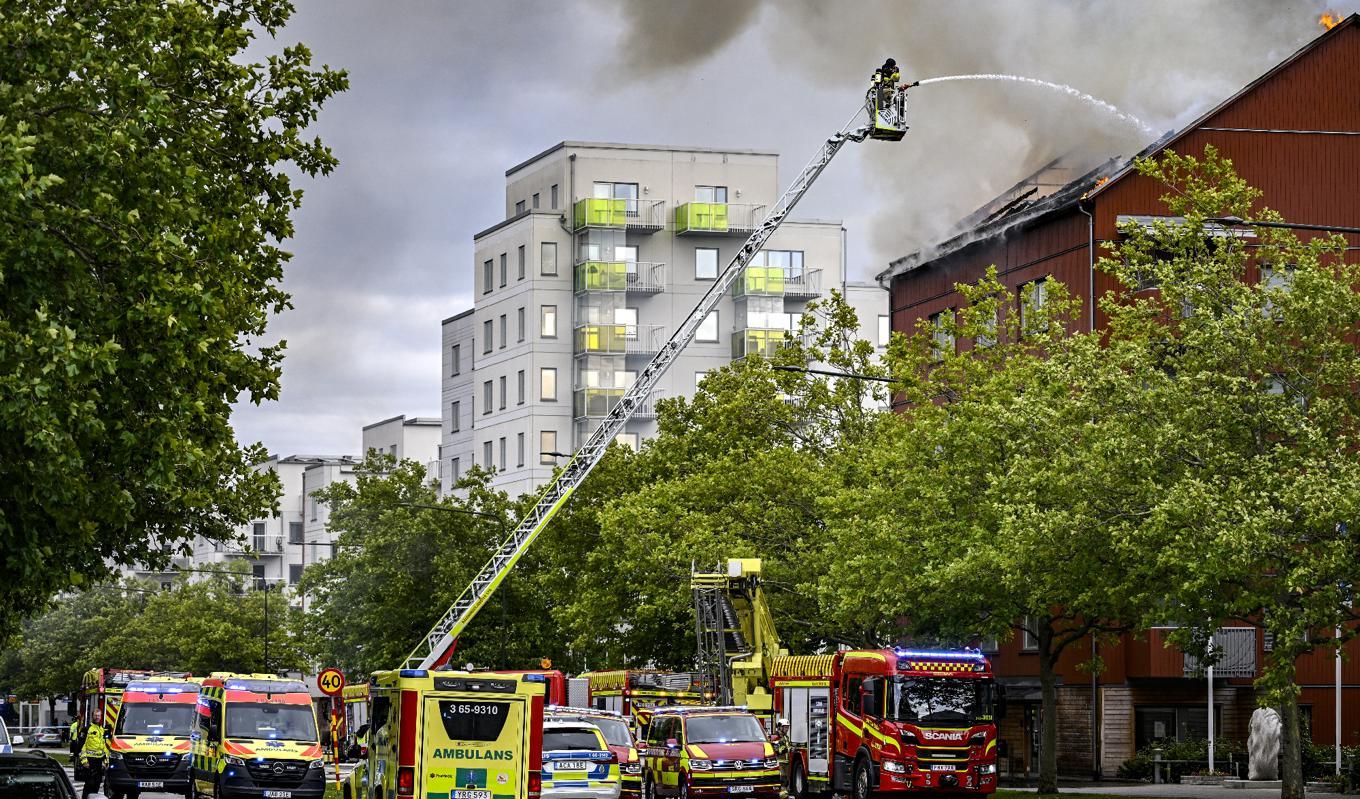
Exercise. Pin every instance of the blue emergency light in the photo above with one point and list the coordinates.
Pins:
(413, 673)
(535, 678)
(928, 655)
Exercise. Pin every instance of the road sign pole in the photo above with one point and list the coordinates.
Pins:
(335, 739)
(332, 683)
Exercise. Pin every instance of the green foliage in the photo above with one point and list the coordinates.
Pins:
(1193, 750)
(53, 649)
(144, 193)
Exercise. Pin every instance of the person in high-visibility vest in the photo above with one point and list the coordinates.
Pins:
(94, 758)
(73, 736)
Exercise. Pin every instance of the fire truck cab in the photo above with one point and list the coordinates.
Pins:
(889, 720)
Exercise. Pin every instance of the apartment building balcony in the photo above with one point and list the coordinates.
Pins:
(717, 218)
(617, 339)
(627, 276)
(758, 341)
(596, 403)
(1156, 658)
(643, 216)
(776, 281)
(803, 284)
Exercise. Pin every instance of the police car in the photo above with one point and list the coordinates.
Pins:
(577, 762)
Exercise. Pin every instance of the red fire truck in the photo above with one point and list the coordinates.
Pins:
(887, 721)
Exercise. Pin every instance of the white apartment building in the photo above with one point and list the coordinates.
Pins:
(603, 251)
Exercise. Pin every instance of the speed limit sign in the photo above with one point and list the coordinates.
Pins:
(331, 682)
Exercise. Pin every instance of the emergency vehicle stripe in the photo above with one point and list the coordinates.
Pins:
(410, 711)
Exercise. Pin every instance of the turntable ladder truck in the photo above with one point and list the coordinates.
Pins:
(436, 648)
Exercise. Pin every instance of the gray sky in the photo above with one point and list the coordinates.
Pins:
(446, 94)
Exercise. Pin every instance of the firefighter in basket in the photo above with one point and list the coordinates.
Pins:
(887, 99)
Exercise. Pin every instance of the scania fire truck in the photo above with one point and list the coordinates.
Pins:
(888, 721)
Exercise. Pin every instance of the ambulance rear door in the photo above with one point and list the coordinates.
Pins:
(474, 743)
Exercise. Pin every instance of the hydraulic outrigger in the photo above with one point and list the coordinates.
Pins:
(886, 118)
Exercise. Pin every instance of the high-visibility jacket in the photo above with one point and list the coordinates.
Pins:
(75, 729)
(96, 747)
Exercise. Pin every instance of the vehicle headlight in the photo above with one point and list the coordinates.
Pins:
(115, 756)
(631, 768)
(700, 765)
(894, 767)
(987, 768)
(317, 764)
(232, 760)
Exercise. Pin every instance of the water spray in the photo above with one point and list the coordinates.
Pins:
(1065, 89)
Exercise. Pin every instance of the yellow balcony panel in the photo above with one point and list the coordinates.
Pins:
(701, 218)
(597, 212)
(763, 281)
(602, 339)
(602, 276)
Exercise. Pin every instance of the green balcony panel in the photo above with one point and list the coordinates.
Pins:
(602, 338)
(596, 401)
(602, 276)
(701, 217)
(597, 212)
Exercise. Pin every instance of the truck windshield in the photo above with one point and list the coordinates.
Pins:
(274, 722)
(940, 700)
(722, 729)
(146, 718)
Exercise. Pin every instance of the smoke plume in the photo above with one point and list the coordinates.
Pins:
(1164, 61)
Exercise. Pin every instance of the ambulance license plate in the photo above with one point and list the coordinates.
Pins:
(150, 785)
(941, 767)
(278, 795)
(742, 789)
(567, 765)
(469, 794)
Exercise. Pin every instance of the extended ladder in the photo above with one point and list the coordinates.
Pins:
(436, 647)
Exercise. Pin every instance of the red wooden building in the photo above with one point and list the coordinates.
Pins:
(1295, 134)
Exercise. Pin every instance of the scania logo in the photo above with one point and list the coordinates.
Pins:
(279, 768)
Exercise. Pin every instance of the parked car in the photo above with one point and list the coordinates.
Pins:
(577, 762)
(33, 775)
(48, 738)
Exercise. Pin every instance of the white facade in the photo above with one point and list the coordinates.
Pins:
(604, 250)
(416, 439)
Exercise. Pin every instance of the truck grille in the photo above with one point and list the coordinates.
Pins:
(942, 755)
(277, 773)
(151, 766)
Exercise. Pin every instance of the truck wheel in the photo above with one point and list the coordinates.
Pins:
(798, 788)
(862, 787)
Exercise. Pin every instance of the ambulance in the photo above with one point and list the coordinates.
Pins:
(452, 735)
(255, 737)
(150, 749)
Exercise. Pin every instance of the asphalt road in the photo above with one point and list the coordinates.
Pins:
(345, 769)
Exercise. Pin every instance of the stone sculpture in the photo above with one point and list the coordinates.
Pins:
(1263, 745)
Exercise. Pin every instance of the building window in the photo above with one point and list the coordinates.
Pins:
(503, 270)
(455, 416)
(547, 259)
(502, 379)
(1272, 281)
(1029, 634)
(535, 202)
(628, 192)
(456, 468)
(519, 325)
(314, 504)
(547, 321)
(487, 268)
(942, 334)
(519, 207)
(519, 449)
(705, 263)
(698, 380)
(502, 448)
(257, 535)
(456, 355)
(790, 262)
(486, 397)
(1033, 297)
(519, 388)
(547, 384)
(884, 330)
(710, 194)
(487, 460)
(294, 573)
(295, 532)
(519, 255)
(1173, 723)
(629, 440)
(987, 338)
(628, 317)
(708, 329)
(505, 335)
(547, 442)
(488, 337)
(166, 585)
(552, 196)
(257, 571)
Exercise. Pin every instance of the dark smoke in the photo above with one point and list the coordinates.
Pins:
(1165, 61)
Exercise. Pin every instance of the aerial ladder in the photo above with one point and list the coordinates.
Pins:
(735, 634)
(885, 122)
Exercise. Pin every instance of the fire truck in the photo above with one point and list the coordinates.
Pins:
(634, 694)
(888, 721)
(101, 694)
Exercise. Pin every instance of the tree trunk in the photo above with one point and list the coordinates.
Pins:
(1048, 742)
(1291, 759)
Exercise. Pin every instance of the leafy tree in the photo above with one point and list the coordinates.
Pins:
(144, 194)
(213, 623)
(1257, 424)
